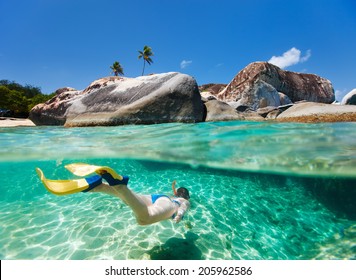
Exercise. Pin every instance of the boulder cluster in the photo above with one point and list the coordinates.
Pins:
(261, 91)
(168, 97)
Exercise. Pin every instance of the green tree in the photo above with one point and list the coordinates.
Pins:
(117, 69)
(13, 100)
(20, 99)
(28, 90)
(5, 98)
(19, 103)
(146, 55)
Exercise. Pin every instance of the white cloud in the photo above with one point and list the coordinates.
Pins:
(289, 58)
(306, 57)
(185, 63)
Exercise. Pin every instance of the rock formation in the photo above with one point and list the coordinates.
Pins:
(220, 111)
(350, 98)
(53, 112)
(310, 112)
(213, 89)
(259, 92)
(169, 97)
(262, 84)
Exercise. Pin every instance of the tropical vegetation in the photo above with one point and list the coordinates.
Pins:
(20, 99)
(117, 69)
(146, 55)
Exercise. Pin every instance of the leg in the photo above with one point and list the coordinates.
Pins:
(146, 213)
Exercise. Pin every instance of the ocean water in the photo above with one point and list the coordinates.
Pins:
(258, 191)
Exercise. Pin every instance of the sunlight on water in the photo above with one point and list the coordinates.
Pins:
(235, 214)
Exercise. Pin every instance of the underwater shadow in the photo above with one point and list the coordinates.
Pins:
(337, 194)
(177, 249)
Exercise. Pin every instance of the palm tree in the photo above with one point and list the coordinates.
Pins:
(145, 54)
(117, 69)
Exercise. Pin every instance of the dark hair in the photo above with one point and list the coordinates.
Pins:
(183, 192)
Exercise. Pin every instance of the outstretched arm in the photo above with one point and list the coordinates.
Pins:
(183, 208)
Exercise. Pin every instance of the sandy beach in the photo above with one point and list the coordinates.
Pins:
(14, 122)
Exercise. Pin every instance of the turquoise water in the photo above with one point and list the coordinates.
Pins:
(259, 191)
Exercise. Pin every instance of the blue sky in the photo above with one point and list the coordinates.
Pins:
(57, 43)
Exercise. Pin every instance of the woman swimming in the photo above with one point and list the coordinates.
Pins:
(148, 209)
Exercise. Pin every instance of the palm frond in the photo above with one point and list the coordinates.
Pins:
(117, 69)
(145, 54)
(149, 60)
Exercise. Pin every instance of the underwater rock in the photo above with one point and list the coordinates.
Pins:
(262, 79)
(337, 194)
(160, 98)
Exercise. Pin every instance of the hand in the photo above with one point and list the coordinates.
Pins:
(177, 219)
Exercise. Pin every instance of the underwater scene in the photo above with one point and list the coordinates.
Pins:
(259, 191)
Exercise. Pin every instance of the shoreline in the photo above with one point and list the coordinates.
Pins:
(15, 122)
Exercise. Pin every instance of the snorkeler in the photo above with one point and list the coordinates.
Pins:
(148, 209)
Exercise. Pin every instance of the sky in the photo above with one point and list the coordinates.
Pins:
(58, 43)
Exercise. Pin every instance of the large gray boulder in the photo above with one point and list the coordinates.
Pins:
(310, 112)
(260, 95)
(350, 98)
(259, 84)
(220, 111)
(54, 111)
(160, 98)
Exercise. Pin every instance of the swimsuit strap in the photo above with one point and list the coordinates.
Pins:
(177, 202)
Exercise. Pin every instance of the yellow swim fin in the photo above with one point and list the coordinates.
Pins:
(84, 169)
(63, 187)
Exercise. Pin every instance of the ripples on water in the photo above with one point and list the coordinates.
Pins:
(307, 149)
(298, 203)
